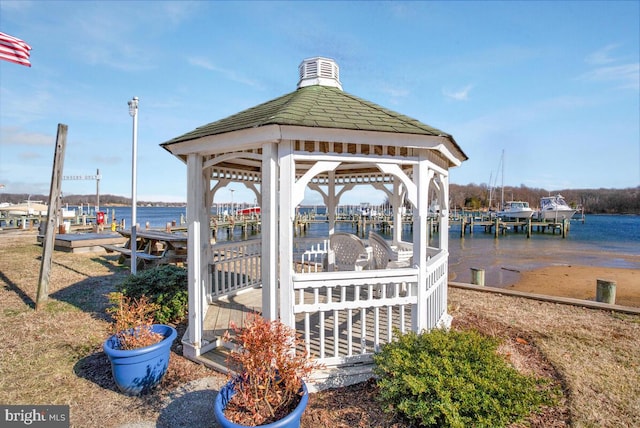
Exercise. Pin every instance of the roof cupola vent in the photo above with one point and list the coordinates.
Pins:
(319, 71)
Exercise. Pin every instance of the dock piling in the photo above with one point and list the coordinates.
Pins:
(606, 291)
(477, 276)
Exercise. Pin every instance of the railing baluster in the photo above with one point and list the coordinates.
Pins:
(376, 329)
(307, 333)
(363, 331)
(349, 332)
(322, 348)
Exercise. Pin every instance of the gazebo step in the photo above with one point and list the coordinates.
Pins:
(216, 359)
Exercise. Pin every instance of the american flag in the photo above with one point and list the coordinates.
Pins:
(14, 50)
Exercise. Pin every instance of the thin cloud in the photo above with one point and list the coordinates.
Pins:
(602, 56)
(627, 75)
(13, 136)
(27, 156)
(108, 160)
(229, 74)
(16, 5)
(459, 95)
(109, 40)
(395, 92)
(609, 69)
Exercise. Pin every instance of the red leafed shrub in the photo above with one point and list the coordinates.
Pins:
(132, 321)
(269, 367)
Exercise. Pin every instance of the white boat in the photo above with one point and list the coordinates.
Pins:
(29, 208)
(555, 208)
(366, 210)
(516, 210)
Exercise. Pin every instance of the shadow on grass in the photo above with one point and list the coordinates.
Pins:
(96, 368)
(110, 261)
(89, 295)
(12, 286)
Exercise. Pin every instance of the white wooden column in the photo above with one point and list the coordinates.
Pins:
(269, 218)
(331, 202)
(195, 206)
(422, 175)
(396, 206)
(285, 231)
(205, 240)
(444, 212)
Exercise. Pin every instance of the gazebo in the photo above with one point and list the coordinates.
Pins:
(320, 138)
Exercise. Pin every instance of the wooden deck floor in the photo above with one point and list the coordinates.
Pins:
(234, 309)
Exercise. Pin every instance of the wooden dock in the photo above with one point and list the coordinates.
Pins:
(499, 227)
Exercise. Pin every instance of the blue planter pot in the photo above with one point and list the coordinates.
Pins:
(136, 371)
(292, 420)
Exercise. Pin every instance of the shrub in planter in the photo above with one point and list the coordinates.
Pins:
(137, 349)
(454, 379)
(165, 286)
(267, 375)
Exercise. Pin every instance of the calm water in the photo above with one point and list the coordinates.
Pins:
(603, 240)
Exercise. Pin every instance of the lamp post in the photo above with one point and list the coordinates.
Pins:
(133, 112)
(232, 213)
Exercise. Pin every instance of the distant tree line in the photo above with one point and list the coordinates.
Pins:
(470, 197)
(593, 201)
(75, 200)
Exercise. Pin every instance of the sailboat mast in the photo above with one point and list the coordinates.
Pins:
(502, 193)
(490, 189)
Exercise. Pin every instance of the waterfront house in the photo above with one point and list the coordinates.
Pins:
(321, 138)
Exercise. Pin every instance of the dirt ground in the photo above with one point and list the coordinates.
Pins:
(580, 282)
(54, 355)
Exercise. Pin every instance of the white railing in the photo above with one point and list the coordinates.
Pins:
(435, 304)
(313, 258)
(344, 317)
(235, 266)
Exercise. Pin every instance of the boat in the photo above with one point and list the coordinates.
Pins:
(516, 210)
(555, 208)
(367, 211)
(248, 211)
(510, 209)
(28, 208)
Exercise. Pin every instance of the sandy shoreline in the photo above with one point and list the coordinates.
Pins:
(580, 282)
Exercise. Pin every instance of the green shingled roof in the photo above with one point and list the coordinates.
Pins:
(316, 106)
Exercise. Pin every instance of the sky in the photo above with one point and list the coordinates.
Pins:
(555, 85)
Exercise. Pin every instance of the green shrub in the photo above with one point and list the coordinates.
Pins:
(454, 379)
(165, 286)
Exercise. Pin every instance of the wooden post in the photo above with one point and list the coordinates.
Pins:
(496, 232)
(565, 227)
(606, 291)
(54, 200)
(529, 228)
(477, 276)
